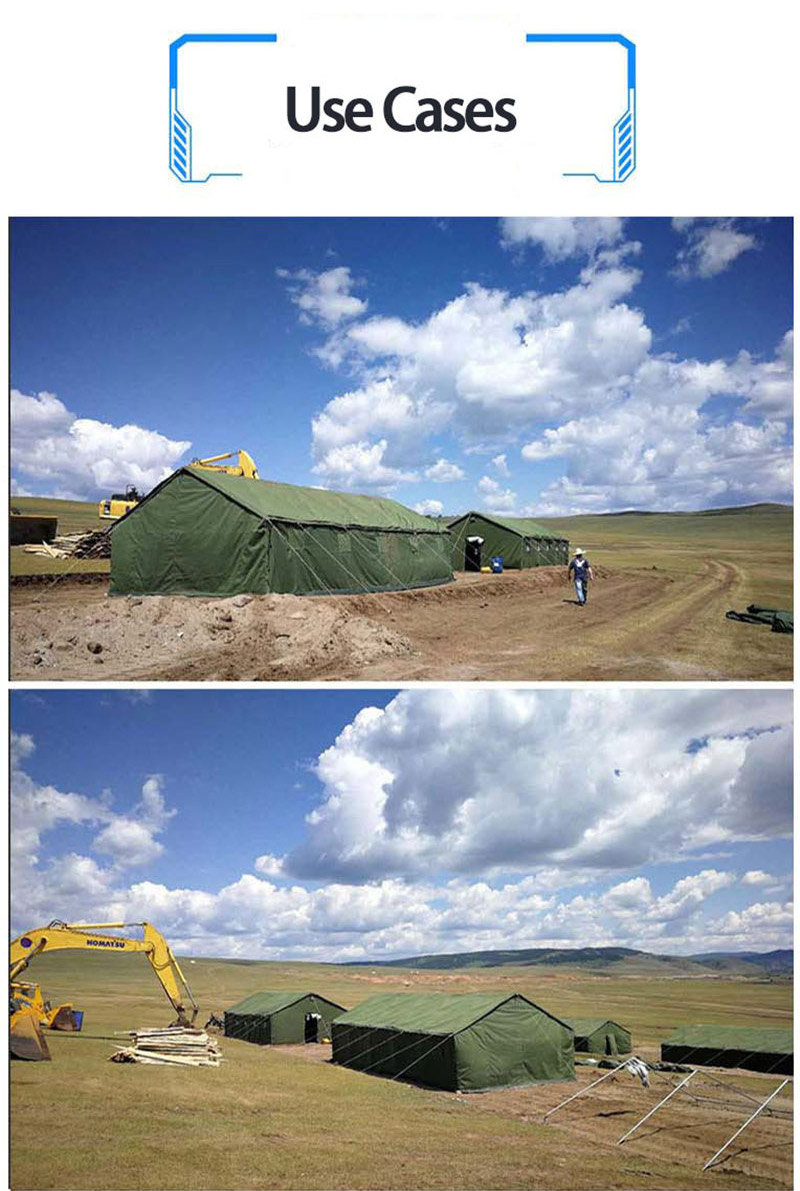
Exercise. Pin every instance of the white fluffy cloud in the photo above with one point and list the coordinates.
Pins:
(444, 472)
(368, 880)
(57, 885)
(323, 297)
(573, 374)
(429, 508)
(653, 449)
(495, 497)
(562, 237)
(130, 839)
(54, 451)
(711, 246)
(637, 793)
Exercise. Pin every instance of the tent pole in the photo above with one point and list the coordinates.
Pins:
(742, 1128)
(588, 1087)
(653, 1111)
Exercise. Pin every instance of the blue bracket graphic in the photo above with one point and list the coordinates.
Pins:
(624, 132)
(180, 130)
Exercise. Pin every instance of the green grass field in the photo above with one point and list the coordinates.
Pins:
(757, 539)
(274, 1118)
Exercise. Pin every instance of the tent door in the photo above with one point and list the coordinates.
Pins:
(611, 1044)
(312, 1027)
(473, 548)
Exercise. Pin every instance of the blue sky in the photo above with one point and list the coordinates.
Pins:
(523, 365)
(346, 824)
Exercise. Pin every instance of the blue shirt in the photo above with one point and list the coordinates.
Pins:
(581, 568)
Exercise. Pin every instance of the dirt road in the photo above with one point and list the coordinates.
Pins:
(651, 625)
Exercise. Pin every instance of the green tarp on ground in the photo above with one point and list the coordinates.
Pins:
(520, 541)
(779, 621)
(600, 1037)
(751, 1048)
(200, 533)
(281, 1017)
(466, 1042)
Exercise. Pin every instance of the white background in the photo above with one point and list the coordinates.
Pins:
(87, 89)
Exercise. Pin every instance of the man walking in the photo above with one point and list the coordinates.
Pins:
(581, 572)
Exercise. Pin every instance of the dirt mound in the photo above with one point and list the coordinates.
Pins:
(639, 624)
(244, 637)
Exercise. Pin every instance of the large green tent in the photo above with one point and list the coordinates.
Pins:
(749, 1047)
(520, 541)
(281, 1017)
(599, 1036)
(204, 533)
(465, 1042)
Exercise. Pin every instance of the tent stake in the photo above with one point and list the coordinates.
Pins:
(660, 1104)
(575, 1095)
(742, 1128)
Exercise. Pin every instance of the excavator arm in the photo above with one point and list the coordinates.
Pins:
(60, 936)
(244, 466)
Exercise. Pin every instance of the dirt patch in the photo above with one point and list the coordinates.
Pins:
(695, 1123)
(84, 634)
(646, 624)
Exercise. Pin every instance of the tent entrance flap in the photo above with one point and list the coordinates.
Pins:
(312, 1027)
(473, 554)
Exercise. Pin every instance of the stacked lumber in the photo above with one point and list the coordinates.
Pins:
(92, 544)
(178, 1046)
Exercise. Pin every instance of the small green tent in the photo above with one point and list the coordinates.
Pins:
(520, 541)
(281, 1017)
(751, 1048)
(203, 533)
(467, 1042)
(600, 1037)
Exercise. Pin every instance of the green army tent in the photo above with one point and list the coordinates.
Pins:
(465, 1042)
(599, 1036)
(281, 1017)
(203, 533)
(521, 542)
(751, 1048)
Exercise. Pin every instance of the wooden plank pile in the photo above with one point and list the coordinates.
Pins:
(94, 543)
(178, 1046)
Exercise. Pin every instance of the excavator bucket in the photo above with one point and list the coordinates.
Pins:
(26, 1039)
(65, 1018)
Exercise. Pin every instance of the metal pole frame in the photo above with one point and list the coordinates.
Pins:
(742, 1128)
(589, 1086)
(660, 1104)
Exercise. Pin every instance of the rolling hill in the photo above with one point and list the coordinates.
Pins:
(749, 963)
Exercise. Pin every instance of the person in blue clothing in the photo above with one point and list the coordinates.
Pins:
(580, 572)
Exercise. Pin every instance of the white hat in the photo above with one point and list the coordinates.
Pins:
(578, 550)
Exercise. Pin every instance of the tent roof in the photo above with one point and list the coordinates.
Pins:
(272, 1002)
(525, 527)
(753, 1039)
(293, 503)
(590, 1025)
(429, 1013)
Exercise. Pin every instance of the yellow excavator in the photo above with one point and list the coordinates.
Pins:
(116, 506)
(31, 1013)
(244, 466)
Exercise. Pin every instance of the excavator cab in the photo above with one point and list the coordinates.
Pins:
(120, 503)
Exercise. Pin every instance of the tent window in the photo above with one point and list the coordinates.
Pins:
(345, 545)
